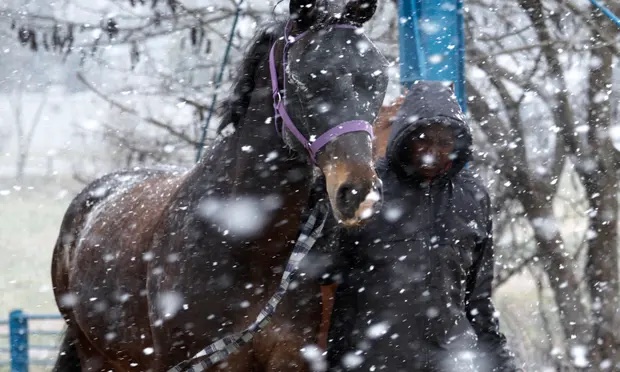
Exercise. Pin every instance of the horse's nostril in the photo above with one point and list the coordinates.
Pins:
(349, 198)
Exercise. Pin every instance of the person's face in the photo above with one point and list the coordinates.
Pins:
(431, 150)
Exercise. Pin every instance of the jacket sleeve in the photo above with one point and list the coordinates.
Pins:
(495, 356)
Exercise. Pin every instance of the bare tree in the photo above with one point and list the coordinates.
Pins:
(25, 130)
(594, 157)
(160, 50)
(547, 39)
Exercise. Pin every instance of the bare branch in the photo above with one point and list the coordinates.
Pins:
(167, 127)
(508, 274)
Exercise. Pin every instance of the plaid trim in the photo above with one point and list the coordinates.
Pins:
(222, 348)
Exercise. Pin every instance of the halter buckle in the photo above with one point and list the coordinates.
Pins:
(277, 99)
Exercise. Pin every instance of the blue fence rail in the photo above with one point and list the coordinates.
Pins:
(18, 335)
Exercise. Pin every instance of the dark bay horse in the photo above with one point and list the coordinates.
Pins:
(152, 265)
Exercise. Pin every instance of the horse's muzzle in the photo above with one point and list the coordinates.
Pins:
(355, 195)
(358, 202)
(353, 186)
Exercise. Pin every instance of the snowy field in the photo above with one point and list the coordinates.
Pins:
(29, 220)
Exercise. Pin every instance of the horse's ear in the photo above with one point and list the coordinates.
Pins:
(305, 12)
(360, 11)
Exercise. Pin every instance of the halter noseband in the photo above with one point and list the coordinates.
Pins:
(313, 147)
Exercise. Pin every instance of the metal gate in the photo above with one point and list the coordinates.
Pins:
(29, 340)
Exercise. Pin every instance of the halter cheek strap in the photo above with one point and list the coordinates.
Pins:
(282, 117)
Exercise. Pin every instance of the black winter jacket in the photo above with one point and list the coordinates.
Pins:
(415, 291)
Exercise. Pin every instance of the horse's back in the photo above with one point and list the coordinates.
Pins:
(122, 199)
(100, 261)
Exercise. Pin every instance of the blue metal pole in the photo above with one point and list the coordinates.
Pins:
(614, 18)
(412, 56)
(461, 92)
(18, 325)
(432, 43)
(218, 82)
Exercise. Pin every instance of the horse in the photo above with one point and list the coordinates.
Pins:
(151, 265)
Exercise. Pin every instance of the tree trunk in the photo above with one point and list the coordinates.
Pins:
(560, 270)
(20, 166)
(602, 271)
(600, 179)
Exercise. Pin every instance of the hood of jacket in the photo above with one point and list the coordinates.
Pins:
(426, 104)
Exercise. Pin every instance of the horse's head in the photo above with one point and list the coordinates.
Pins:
(335, 81)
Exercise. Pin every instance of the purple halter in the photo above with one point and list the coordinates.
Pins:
(313, 147)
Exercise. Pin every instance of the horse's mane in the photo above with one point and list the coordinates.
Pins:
(235, 107)
(383, 126)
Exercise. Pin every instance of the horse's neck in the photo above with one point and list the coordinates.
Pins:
(262, 164)
(253, 162)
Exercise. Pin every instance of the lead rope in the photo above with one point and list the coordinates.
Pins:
(222, 348)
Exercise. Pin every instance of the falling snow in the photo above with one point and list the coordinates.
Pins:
(377, 330)
(315, 357)
(242, 217)
(352, 360)
(169, 304)
(537, 157)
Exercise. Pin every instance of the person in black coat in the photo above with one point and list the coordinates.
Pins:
(415, 282)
